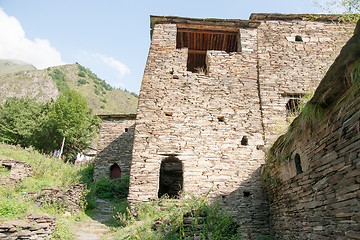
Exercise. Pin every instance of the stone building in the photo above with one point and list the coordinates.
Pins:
(115, 145)
(319, 194)
(214, 93)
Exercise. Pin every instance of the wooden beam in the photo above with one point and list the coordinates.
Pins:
(200, 27)
(192, 51)
(207, 31)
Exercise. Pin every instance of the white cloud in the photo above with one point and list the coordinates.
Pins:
(108, 68)
(15, 45)
(120, 68)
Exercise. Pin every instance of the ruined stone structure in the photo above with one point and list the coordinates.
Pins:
(213, 94)
(115, 145)
(17, 171)
(315, 190)
(36, 227)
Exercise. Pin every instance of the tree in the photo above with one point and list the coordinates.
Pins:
(339, 6)
(44, 125)
(20, 119)
(72, 119)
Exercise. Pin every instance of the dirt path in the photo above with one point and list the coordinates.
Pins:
(94, 228)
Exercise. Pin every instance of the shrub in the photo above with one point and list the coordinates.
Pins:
(59, 78)
(108, 189)
(81, 74)
(82, 81)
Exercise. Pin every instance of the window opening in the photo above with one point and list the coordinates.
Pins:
(115, 171)
(246, 194)
(221, 119)
(298, 164)
(244, 141)
(168, 114)
(292, 105)
(126, 130)
(298, 38)
(199, 41)
(171, 177)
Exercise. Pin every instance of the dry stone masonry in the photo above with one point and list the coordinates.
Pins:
(315, 191)
(17, 171)
(115, 145)
(35, 227)
(212, 95)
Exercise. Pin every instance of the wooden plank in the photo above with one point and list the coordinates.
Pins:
(224, 45)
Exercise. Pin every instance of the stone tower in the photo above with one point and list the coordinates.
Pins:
(213, 94)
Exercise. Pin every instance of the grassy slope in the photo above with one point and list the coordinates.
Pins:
(107, 101)
(47, 172)
(11, 66)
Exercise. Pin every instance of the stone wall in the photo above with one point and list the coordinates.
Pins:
(36, 227)
(115, 144)
(216, 123)
(18, 170)
(71, 199)
(201, 120)
(315, 190)
(293, 57)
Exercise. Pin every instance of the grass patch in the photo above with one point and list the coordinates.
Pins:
(164, 219)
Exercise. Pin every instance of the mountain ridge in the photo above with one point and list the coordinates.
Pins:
(48, 83)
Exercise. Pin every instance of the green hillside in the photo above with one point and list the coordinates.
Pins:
(48, 83)
(11, 66)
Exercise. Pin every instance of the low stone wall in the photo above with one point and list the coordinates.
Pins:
(313, 172)
(71, 199)
(34, 227)
(18, 170)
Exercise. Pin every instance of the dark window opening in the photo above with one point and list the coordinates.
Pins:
(292, 105)
(168, 114)
(246, 194)
(298, 38)
(115, 171)
(171, 177)
(294, 101)
(126, 130)
(221, 119)
(244, 141)
(298, 164)
(199, 41)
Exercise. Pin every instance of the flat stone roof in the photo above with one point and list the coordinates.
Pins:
(290, 17)
(253, 22)
(203, 21)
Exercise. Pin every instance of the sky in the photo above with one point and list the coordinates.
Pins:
(110, 37)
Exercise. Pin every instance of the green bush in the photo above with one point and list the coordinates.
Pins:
(109, 189)
(82, 81)
(59, 78)
(81, 74)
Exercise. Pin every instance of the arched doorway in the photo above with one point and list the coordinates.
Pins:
(115, 171)
(171, 177)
